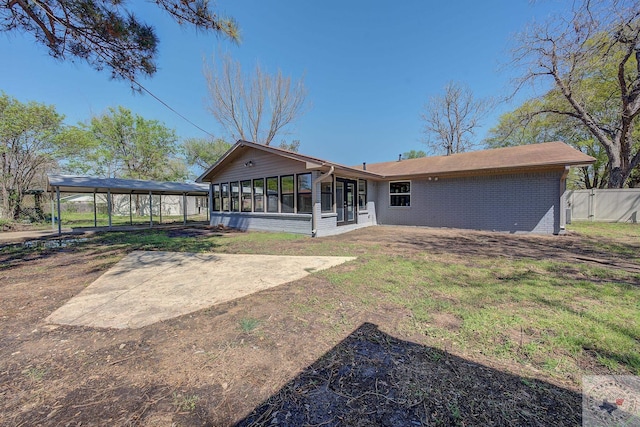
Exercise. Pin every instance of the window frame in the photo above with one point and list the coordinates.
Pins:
(398, 194)
(304, 194)
(234, 207)
(257, 195)
(270, 200)
(224, 197)
(216, 198)
(244, 196)
(284, 207)
(365, 192)
(331, 193)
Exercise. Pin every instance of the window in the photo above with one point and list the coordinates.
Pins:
(400, 193)
(287, 194)
(326, 196)
(216, 197)
(362, 194)
(304, 193)
(272, 194)
(245, 202)
(235, 196)
(225, 196)
(258, 195)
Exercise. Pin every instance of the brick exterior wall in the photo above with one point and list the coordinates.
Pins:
(290, 223)
(518, 203)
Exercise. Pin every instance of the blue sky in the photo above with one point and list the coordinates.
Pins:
(369, 67)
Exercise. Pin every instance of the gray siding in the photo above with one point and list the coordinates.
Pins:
(326, 224)
(290, 223)
(515, 203)
(264, 165)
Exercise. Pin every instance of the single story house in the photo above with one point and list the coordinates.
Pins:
(514, 189)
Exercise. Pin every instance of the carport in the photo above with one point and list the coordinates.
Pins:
(130, 187)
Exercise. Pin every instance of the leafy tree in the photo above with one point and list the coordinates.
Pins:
(203, 153)
(104, 33)
(254, 107)
(28, 147)
(120, 144)
(592, 60)
(414, 154)
(450, 120)
(526, 125)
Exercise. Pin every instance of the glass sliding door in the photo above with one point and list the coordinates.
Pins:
(339, 201)
(346, 196)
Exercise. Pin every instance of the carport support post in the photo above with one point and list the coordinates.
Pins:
(130, 211)
(160, 213)
(150, 210)
(109, 205)
(95, 211)
(184, 208)
(58, 203)
(210, 209)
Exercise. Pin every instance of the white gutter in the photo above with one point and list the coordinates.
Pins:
(314, 219)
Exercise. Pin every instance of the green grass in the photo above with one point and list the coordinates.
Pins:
(566, 318)
(528, 311)
(85, 219)
(155, 240)
(610, 230)
(248, 324)
(185, 403)
(619, 238)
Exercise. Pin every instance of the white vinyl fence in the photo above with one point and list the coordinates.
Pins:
(608, 205)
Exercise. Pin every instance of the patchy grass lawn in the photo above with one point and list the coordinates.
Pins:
(460, 309)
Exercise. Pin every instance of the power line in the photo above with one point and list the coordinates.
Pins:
(124, 74)
(171, 108)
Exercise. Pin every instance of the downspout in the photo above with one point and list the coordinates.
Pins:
(563, 202)
(314, 217)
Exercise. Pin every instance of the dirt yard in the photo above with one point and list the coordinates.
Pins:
(304, 353)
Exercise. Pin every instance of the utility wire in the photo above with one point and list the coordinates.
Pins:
(125, 75)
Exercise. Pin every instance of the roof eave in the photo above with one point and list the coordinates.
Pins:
(488, 171)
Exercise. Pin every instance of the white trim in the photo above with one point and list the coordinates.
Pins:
(400, 194)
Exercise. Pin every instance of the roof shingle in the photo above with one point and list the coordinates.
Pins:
(508, 158)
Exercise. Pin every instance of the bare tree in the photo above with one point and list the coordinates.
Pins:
(450, 120)
(593, 60)
(254, 107)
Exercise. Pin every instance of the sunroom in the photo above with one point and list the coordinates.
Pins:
(259, 187)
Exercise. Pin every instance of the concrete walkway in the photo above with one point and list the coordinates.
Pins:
(147, 287)
(21, 236)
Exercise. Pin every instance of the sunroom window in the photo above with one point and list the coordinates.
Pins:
(225, 196)
(304, 193)
(216, 197)
(245, 202)
(258, 195)
(235, 196)
(287, 194)
(272, 194)
(326, 196)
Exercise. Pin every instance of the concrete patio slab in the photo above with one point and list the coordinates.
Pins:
(147, 287)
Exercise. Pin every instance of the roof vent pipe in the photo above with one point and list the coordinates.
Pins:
(399, 157)
(364, 166)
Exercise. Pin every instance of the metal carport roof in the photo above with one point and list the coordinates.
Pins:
(86, 184)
